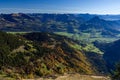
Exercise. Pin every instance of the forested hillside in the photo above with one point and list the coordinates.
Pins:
(112, 54)
(41, 54)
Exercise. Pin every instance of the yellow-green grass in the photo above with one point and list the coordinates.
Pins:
(18, 32)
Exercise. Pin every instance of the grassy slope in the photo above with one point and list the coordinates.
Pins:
(45, 54)
(88, 37)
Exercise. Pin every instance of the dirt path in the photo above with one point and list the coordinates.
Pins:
(75, 77)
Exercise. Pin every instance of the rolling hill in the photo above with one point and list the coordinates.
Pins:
(97, 25)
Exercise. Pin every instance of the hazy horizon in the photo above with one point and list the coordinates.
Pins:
(57, 13)
(61, 6)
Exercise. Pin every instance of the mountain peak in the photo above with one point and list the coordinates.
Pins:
(96, 18)
(16, 14)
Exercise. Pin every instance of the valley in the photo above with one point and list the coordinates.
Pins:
(41, 45)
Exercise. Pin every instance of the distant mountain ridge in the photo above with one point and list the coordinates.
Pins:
(55, 22)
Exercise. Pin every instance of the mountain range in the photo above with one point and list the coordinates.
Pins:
(54, 22)
(41, 51)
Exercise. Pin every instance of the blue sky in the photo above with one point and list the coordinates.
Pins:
(60, 6)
